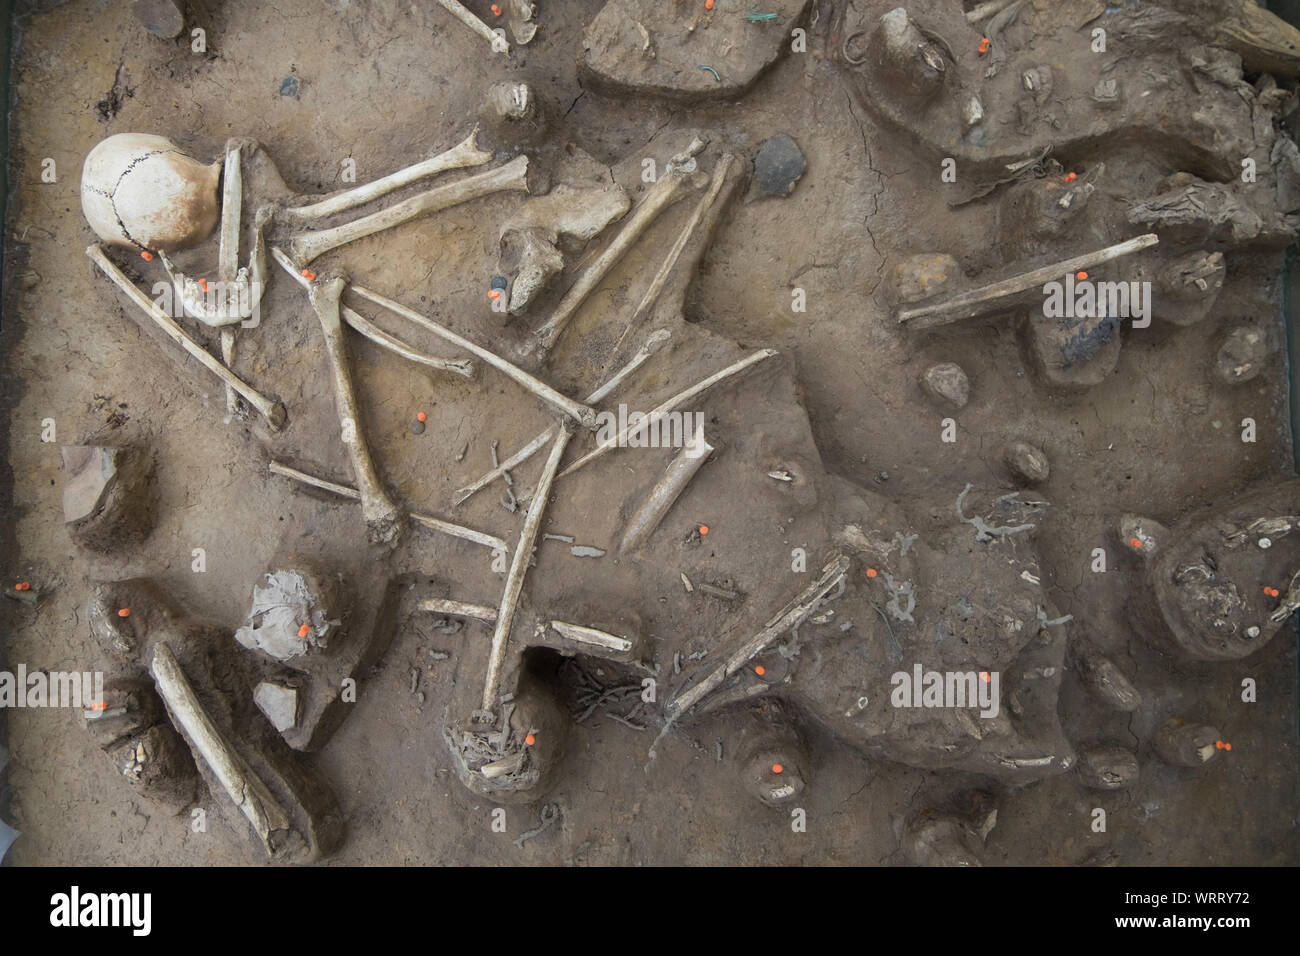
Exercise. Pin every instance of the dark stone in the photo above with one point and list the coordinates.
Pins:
(777, 168)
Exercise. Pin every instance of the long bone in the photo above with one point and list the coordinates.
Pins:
(513, 175)
(789, 616)
(377, 335)
(666, 191)
(519, 567)
(652, 345)
(232, 208)
(666, 492)
(498, 42)
(450, 608)
(583, 414)
(463, 154)
(272, 411)
(429, 521)
(670, 405)
(383, 518)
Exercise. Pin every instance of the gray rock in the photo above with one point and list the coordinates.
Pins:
(106, 495)
(947, 383)
(278, 703)
(1242, 355)
(777, 168)
(1026, 462)
(1186, 744)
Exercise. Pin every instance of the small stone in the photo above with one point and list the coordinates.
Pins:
(289, 86)
(777, 168)
(1027, 463)
(1266, 543)
(947, 382)
(973, 111)
(1252, 631)
(922, 276)
(278, 703)
(417, 427)
(162, 18)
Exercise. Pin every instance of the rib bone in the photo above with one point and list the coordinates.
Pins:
(671, 404)
(666, 191)
(512, 176)
(463, 154)
(383, 518)
(666, 492)
(652, 345)
(436, 524)
(272, 411)
(377, 335)
(583, 414)
(519, 567)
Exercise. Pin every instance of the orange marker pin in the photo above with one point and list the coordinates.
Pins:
(124, 612)
(530, 740)
(309, 275)
(23, 586)
(1071, 177)
(704, 529)
(872, 572)
(420, 416)
(494, 294)
(985, 676)
(203, 284)
(777, 768)
(1135, 543)
(496, 11)
(760, 670)
(304, 630)
(708, 4)
(1081, 276)
(1272, 592)
(984, 44)
(146, 255)
(99, 705)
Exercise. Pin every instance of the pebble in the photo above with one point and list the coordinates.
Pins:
(777, 168)
(947, 382)
(417, 427)
(1026, 462)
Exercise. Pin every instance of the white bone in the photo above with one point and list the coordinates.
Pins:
(435, 524)
(512, 176)
(499, 44)
(666, 491)
(519, 567)
(463, 154)
(272, 411)
(671, 404)
(374, 333)
(652, 345)
(591, 635)
(458, 609)
(383, 518)
(583, 414)
(666, 191)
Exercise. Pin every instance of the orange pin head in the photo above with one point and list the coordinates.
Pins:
(704, 529)
(146, 255)
(98, 705)
(760, 670)
(23, 586)
(496, 11)
(124, 612)
(304, 630)
(1135, 544)
(985, 676)
(872, 572)
(708, 4)
(203, 284)
(984, 45)
(494, 294)
(309, 275)
(420, 417)
(1081, 276)
(1071, 177)
(777, 768)
(530, 740)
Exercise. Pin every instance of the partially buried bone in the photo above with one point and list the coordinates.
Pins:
(435, 524)
(498, 42)
(360, 323)
(668, 189)
(463, 154)
(384, 520)
(512, 176)
(583, 414)
(666, 492)
(450, 608)
(652, 345)
(272, 411)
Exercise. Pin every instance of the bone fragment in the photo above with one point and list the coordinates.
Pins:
(513, 175)
(459, 609)
(232, 206)
(519, 567)
(374, 333)
(245, 789)
(591, 635)
(272, 411)
(383, 518)
(674, 481)
(789, 616)
(671, 404)
(583, 414)
(666, 191)
(435, 524)
(981, 300)
(499, 44)
(463, 154)
(652, 345)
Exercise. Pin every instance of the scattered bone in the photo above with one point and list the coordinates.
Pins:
(686, 582)
(272, 411)
(523, 30)
(141, 191)
(653, 343)
(246, 790)
(681, 398)
(594, 636)
(1107, 682)
(436, 524)
(988, 297)
(463, 154)
(582, 414)
(519, 567)
(451, 608)
(584, 551)
(1186, 744)
(666, 492)
(666, 190)
(781, 475)
(513, 175)
(789, 616)
(566, 538)
(1243, 354)
(495, 40)
(722, 594)
(462, 367)
(384, 520)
